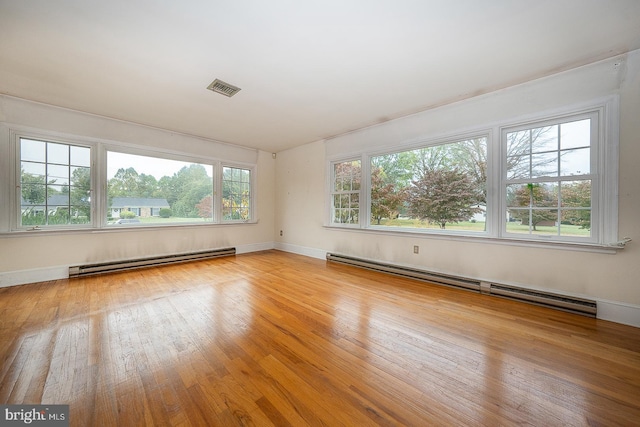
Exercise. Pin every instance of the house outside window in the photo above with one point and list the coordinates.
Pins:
(54, 183)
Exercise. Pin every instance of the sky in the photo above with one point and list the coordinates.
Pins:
(155, 166)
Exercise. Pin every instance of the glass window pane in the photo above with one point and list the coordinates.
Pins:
(518, 143)
(33, 215)
(576, 194)
(57, 195)
(544, 139)
(80, 156)
(545, 164)
(138, 186)
(575, 162)
(33, 170)
(57, 174)
(518, 195)
(32, 150)
(519, 167)
(34, 193)
(575, 134)
(436, 187)
(57, 153)
(576, 223)
(81, 176)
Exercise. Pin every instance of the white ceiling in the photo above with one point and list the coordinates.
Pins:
(308, 70)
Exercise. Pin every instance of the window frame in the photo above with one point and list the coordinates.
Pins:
(106, 148)
(98, 172)
(426, 144)
(604, 170)
(16, 206)
(218, 190)
(593, 176)
(360, 192)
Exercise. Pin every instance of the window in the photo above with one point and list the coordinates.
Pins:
(553, 179)
(436, 187)
(548, 178)
(157, 190)
(346, 178)
(62, 185)
(55, 184)
(236, 194)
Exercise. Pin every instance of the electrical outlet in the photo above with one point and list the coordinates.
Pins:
(416, 249)
(280, 232)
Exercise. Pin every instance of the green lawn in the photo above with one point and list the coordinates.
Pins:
(512, 227)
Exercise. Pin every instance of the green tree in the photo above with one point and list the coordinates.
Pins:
(81, 194)
(188, 187)
(33, 188)
(386, 198)
(125, 183)
(205, 207)
(444, 195)
(534, 196)
(576, 195)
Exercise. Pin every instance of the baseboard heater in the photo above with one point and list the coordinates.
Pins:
(581, 306)
(411, 273)
(110, 267)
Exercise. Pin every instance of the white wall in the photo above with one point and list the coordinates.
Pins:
(612, 279)
(32, 257)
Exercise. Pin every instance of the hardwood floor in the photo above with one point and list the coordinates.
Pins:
(272, 338)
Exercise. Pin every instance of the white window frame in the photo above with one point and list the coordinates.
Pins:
(106, 148)
(604, 175)
(10, 214)
(16, 208)
(417, 146)
(592, 176)
(218, 193)
(361, 192)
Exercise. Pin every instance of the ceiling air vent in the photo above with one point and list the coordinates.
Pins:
(223, 88)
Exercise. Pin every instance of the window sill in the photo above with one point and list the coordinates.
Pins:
(572, 246)
(116, 229)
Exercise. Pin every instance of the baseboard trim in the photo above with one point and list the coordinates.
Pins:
(613, 311)
(301, 250)
(23, 277)
(254, 247)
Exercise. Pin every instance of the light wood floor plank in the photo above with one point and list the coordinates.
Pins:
(278, 339)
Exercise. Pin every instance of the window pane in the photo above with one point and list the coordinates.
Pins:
(32, 150)
(576, 194)
(518, 143)
(437, 187)
(33, 215)
(46, 193)
(57, 174)
(576, 223)
(556, 202)
(575, 162)
(544, 139)
(545, 164)
(80, 156)
(34, 169)
(575, 134)
(57, 153)
(139, 186)
(519, 167)
(236, 194)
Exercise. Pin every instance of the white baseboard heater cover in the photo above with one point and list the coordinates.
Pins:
(110, 267)
(581, 306)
